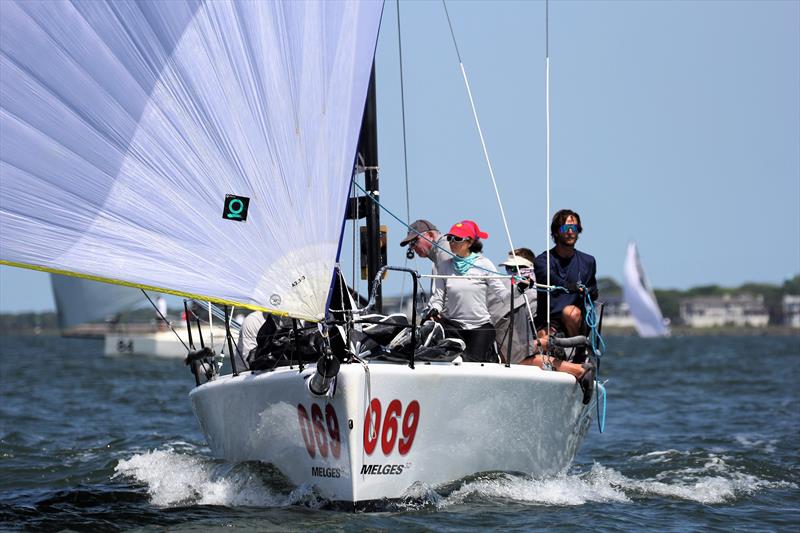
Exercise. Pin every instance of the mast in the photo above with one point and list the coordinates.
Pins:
(368, 157)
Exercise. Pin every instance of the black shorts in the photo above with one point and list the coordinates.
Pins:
(479, 341)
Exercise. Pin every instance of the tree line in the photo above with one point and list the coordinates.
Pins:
(669, 299)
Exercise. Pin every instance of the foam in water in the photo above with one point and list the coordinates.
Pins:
(565, 489)
(703, 477)
(178, 479)
(753, 442)
(174, 478)
(713, 482)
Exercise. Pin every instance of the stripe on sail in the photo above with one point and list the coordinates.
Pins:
(121, 283)
(125, 125)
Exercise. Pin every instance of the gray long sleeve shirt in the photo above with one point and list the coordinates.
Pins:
(438, 254)
(464, 299)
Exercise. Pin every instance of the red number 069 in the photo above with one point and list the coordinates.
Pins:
(388, 431)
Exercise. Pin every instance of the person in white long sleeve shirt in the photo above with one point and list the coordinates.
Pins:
(462, 300)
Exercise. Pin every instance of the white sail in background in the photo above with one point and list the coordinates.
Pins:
(126, 124)
(79, 301)
(640, 297)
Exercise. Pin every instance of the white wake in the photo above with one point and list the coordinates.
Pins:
(177, 479)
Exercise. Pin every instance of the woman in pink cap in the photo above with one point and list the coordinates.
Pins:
(462, 300)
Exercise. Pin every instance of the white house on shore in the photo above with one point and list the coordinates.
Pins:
(791, 310)
(727, 310)
(616, 313)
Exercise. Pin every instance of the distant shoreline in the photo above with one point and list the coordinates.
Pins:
(686, 331)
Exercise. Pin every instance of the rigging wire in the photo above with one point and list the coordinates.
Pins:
(485, 150)
(539, 286)
(167, 322)
(405, 149)
(547, 144)
(218, 313)
(355, 226)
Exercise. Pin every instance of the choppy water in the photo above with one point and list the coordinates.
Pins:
(702, 433)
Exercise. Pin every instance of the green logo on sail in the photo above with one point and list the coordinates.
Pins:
(235, 207)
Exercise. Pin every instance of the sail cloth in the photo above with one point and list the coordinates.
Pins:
(80, 301)
(126, 124)
(640, 298)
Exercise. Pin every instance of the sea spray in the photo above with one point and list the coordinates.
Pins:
(174, 479)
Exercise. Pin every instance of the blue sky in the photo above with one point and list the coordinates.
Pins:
(675, 124)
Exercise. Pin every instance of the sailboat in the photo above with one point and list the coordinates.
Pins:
(91, 309)
(82, 302)
(206, 149)
(641, 299)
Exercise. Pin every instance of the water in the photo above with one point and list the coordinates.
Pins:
(702, 433)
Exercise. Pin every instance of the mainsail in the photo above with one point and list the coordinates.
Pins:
(125, 125)
(640, 297)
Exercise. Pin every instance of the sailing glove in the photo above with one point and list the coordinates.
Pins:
(433, 314)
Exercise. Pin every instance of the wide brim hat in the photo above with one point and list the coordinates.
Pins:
(418, 227)
(467, 228)
(519, 262)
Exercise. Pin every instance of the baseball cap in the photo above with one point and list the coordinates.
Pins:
(417, 227)
(467, 228)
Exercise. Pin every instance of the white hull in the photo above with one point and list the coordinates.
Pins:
(157, 343)
(469, 418)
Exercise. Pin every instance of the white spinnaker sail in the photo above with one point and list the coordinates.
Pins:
(126, 124)
(79, 301)
(640, 298)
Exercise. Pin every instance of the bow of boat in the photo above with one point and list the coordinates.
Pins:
(385, 430)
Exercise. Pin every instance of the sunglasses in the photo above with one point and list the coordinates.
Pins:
(454, 238)
(565, 228)
(413, 242)
(523, 271)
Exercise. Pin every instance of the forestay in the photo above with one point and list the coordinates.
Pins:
(126, 124)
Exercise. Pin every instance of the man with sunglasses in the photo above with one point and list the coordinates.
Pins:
(425, 240)
(569, 268)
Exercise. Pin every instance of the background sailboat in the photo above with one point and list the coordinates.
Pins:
(639, 296)
(81, 302)
(87, 308)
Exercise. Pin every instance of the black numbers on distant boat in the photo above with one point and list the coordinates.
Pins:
(125, 347)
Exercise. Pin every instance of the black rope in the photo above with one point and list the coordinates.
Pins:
(167, 322)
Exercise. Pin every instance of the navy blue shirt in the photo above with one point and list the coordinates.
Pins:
(565, 272)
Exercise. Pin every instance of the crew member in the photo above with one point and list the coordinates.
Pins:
(425, 240)
(574, 270)
(461, 301)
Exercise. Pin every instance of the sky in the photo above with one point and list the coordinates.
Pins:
(674, 124)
